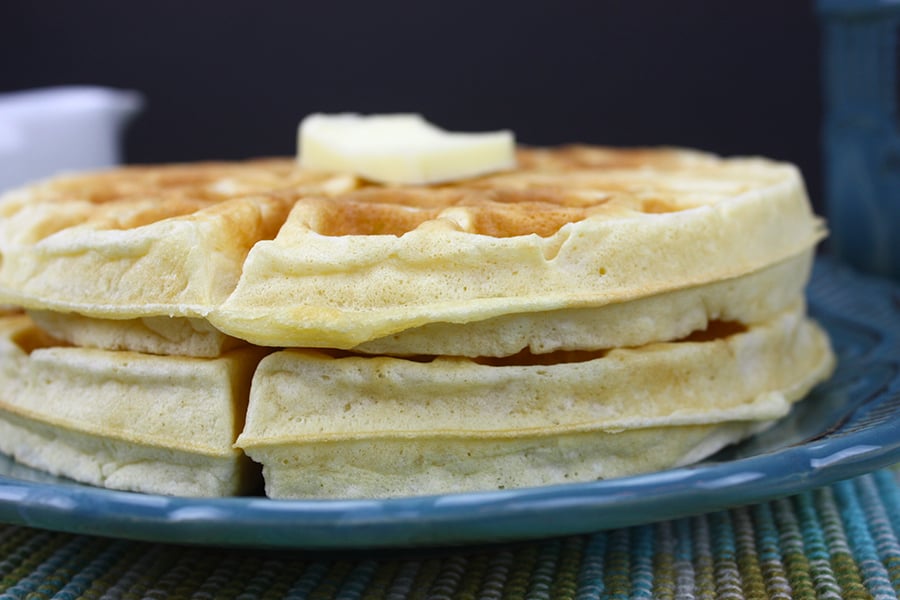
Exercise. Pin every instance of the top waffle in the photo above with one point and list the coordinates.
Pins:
(569, 228)
(572, 228)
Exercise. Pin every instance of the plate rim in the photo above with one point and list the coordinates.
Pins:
(384, 523)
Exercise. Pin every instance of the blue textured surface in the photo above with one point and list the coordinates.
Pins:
(831, 543)
(861, 75)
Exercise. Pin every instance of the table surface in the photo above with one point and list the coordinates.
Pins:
(839, 541)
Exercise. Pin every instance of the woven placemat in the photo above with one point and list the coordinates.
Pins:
(835, 542)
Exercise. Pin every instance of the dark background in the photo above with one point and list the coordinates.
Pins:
(232, 79)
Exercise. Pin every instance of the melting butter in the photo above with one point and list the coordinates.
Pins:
(400, 148)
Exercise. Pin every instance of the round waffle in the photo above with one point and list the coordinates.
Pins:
(347, 425)
(591, 313)
(569, 229)
(370, 263)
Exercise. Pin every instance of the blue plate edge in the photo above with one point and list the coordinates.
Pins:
(587, 507)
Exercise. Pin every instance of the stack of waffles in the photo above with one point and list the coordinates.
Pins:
(590, 313)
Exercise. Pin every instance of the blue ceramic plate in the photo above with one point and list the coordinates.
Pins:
(848, 426)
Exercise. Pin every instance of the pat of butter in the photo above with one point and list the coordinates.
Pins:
(400, 148)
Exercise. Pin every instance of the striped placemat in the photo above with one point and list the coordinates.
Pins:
(835, 542)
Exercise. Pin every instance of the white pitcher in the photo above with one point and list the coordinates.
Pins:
(52, 130)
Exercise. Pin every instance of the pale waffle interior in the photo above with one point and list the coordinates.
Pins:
(177, 336)
(162, 424)
(546, 324)
(749, 299)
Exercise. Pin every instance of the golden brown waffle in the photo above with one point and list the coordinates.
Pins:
(374, 262)
(337, 426)
(557, 320)
(572, 228)
(144, 241)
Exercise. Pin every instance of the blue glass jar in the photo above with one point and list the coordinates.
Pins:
(861, 135)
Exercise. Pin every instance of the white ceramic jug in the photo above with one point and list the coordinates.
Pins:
(51, 130)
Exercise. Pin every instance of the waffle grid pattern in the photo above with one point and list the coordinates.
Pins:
(835, 542)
